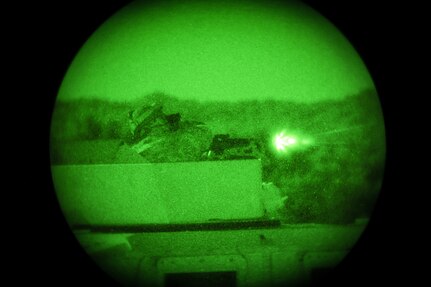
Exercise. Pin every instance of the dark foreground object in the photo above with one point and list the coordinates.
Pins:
(214, 225)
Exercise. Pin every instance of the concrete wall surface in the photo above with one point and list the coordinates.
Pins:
(122, 194)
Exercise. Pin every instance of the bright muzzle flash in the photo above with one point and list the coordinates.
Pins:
(283, 141)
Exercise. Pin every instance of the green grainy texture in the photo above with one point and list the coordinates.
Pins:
(216, 50)
(279, 75)
(285, 255)
(331, 175)
(123, 194)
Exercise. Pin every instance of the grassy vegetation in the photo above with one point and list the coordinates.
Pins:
(334, 179)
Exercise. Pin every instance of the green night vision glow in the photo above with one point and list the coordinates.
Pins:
(217, 141)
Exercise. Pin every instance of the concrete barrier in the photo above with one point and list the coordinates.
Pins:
(189, 192)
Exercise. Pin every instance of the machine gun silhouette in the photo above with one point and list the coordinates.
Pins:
(223, 147)
(149, 123)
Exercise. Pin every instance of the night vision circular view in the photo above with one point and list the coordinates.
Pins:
(217, 143)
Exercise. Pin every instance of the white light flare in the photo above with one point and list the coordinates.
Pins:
(283, 141)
